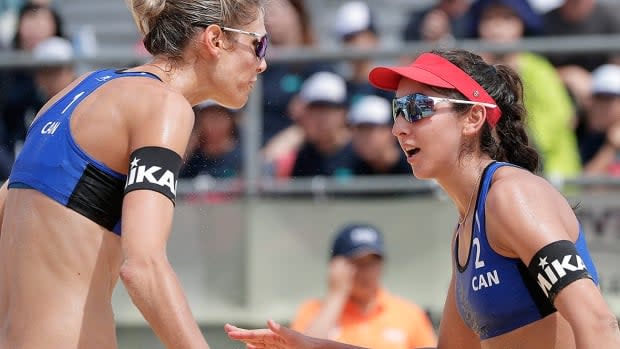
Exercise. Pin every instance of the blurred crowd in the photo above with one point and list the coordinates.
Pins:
(324, 119)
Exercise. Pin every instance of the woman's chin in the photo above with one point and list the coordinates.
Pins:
(233, 103)
(420, 173)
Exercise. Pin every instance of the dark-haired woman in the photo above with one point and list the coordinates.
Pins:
(522, 274)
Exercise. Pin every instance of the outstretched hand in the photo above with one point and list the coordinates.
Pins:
(274, 337)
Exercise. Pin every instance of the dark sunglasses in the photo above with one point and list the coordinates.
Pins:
(260, 45)
(417, 106)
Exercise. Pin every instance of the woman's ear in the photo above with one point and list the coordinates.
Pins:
(475, 119)
(211, 39)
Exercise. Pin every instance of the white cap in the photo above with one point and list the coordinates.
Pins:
(324, 87)
(353, 17)
(606, 80)
(54, 49)
(371, 109)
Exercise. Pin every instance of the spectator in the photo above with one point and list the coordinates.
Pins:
(327, 149)
(582, 17)
(578, 82)
(215, 149)
(516, 17)
(289, 26)
(550, 110)
(355, 27)
(20, 98)
(8, 18)
(357, 309)
(52, 79)
(36, 22)
(376, 150)
(600, 145)
(443, 21)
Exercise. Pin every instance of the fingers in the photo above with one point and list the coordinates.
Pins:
(256, 346)
(341, 275)
(231, 328)
(286, 336)
(244, 335)
(275, 337)
(274, 326)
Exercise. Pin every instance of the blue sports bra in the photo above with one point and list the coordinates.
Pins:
(496, 294)
(52, 163)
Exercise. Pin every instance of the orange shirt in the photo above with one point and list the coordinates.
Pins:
(393, 324)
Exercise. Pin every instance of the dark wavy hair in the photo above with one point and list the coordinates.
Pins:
(510, 143)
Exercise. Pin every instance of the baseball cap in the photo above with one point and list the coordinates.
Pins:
(324, 88)
(54, 49)
(373, 110)
(606, 80)
(358, 239)
(353, 17)
(434, 70)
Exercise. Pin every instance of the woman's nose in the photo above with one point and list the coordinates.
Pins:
(401, 127)
(262, 66)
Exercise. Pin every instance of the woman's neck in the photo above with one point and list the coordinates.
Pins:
(461, 183)
(181, 77)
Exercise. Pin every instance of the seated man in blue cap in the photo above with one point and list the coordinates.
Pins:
(356, 309)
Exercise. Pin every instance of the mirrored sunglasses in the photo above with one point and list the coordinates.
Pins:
(417, 106)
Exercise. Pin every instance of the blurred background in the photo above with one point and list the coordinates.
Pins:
(264, 188)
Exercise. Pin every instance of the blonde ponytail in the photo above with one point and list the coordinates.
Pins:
(168, 25)
(145, 13)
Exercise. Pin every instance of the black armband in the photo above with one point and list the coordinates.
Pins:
(556, 266)
(154, 168)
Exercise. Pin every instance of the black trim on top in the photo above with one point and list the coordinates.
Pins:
(98, 196)
(473, 223)
(124, 71)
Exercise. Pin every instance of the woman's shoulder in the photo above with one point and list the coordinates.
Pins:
(513, 188)
(510, 182)
(512, 176)
(522, 209)
(151, 97)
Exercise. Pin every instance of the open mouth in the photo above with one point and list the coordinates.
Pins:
(411, 152)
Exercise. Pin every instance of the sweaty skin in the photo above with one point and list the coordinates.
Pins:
(57, 265)
(58, 268)
(523, 213)
(551, 332)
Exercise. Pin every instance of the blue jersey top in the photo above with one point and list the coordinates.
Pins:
(496, 294)
(52, 163)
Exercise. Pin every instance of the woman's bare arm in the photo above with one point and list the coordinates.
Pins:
(146, 225)
(525, 215)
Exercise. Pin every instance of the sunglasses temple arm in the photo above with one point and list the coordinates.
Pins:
(488, 105)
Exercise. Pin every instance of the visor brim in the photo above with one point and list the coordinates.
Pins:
(388, 78)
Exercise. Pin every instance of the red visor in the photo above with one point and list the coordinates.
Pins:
(434, 70)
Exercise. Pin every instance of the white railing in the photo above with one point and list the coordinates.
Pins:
(255, 183)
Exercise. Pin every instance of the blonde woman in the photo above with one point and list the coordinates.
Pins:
(91, 196)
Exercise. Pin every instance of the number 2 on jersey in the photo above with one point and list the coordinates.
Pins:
(478, 263)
